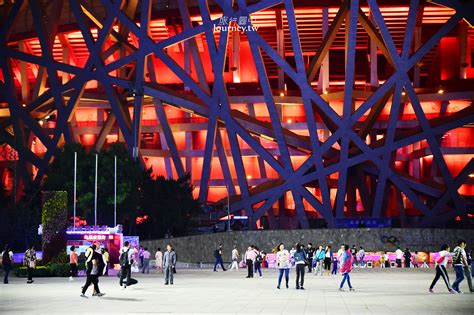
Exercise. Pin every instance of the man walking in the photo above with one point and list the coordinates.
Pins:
(146, 261)
(459, 262)
(126, 261)
(30, 262)
(218, 256)
(97, 267)
(7, 262)
(169, 262)
(250, 256)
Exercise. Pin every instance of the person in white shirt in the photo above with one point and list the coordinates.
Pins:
(126, 261)
(441, 263)
(235, 259)
(159, 260)
(283, 264)
(399, 256)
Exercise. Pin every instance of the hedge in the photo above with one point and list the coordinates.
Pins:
(51, 270)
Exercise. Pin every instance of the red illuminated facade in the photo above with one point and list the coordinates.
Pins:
(258, 114)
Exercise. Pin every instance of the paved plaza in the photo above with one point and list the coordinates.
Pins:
(389, 291)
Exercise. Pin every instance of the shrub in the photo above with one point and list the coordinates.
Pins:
(50, 270)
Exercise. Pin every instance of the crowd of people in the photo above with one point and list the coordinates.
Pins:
(321, 260)
(324, 261)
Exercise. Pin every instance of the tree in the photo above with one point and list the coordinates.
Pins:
(168, 204)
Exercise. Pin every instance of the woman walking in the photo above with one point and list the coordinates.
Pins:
(30, 262)
(159, 260)
(300, 262)
(283, 264)
(328, 260)
(346, 268)
(235, 259)
(73, 263)
(441, 263)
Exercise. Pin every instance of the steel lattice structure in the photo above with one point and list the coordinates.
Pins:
(344, 159)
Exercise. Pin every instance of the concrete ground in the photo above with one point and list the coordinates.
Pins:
(378, 291)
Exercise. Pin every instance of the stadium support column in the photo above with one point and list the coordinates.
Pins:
(236, 56)
(374, 78)
(280, 48)
(463, 33)
(323, 82)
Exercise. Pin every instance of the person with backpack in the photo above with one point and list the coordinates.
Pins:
(258, 262)
(300, 262)
(218, 256)
(29, 262)
(126, 261)
(7, 262)
(169, 262)
(97, 269)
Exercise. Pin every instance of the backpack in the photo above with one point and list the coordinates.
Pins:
(216, 253)
(100, 264)
(124, 259)
(6, 258)
(259, 258)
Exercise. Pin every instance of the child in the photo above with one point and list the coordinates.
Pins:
(334, 265)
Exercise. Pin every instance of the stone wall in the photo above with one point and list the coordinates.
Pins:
(200, 248)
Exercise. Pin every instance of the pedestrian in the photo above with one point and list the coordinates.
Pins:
(250, 256)
(309, 257)
(126, 262)
(235, 258)
(407, 256)
(73, 263)
(398, 257)
(169, 262)
(354, 254)
(425, 264)
(146, 261)
(7, 262)
(30, 262)
(415, 260)
(382, 260)
(292, 255)
(300, 261)
(106, 255)
(346, 268)
(459, 262)
(361, 257)
(440, 267)
(283, 264)
(320, 254)
(328, 259)
(258, 262)
(335, 261)
(140, 257)
(97, 269)
(218, 256)
(159, 260)
(468, 270)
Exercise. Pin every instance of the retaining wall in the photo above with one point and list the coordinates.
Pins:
(200, 248)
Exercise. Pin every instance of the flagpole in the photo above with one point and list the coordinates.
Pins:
(75, 187)
(95, 193)
(115, 192)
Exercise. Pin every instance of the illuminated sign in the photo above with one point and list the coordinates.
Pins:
(95, 237)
